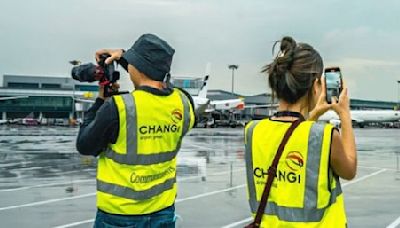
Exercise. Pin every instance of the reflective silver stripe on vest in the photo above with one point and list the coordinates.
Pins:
(132, 157)
(186, 114)
(249, 164)
(129, 193)
(294, 214)
(310, 212)
(313, 162)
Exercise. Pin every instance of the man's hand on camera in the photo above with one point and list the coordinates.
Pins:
(115, 54)
(115, 87)
(101, 92)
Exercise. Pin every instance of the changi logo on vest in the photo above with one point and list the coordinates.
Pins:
(150, 178)
(156, 130)
(294, 160)
(176, 116)
(281, 175)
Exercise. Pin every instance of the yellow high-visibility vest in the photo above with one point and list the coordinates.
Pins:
(305, 191)
(137, 174)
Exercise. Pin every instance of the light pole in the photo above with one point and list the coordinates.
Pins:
(233, 68)
(398, 95)
(398, 108)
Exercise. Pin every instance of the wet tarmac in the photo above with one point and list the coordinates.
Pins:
(45, 183)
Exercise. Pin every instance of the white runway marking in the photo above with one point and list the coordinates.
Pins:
(15, 164)
(47, 202)
(394, 224)
(47, 185)
(364, 177)
(375, 167)
(75, 224)
(93, 180)
(177, 201)
(209, 193)
(235, 224)
(91, 194)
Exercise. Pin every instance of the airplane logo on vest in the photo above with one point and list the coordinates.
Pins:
(294, 161)
(176, 116)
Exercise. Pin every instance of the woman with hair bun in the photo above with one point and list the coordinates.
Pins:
(294, 163)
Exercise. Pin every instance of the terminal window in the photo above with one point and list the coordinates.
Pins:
(187, 83)
(23, 85)
(87, 87)
(51, 86)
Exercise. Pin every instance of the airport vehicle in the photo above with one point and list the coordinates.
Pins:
(225, 119)
(30, 120)
(362, 117)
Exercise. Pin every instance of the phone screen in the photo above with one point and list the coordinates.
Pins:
(333, 82)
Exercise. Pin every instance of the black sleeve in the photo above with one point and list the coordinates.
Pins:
(196, 115)
(99, 128)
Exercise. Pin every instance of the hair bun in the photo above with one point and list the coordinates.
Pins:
(294, 69)
(285, 58)
(288, 44)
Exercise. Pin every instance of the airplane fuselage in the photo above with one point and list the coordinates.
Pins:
(365, 116)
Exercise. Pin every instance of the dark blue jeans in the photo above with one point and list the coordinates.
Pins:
(161, 219)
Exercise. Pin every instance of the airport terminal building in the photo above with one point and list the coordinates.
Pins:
(43, 96)
(58, 97)
(52, 96)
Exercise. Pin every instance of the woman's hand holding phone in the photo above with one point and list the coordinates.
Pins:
(321, 106)
(342, 105)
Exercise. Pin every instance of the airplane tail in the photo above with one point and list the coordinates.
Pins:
(204, 88)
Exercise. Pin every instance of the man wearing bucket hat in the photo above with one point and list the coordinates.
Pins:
(137, 137)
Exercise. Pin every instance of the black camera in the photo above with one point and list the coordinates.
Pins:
(106, 74)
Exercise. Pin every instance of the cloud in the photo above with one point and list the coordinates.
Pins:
(40, 37)
(370, 78)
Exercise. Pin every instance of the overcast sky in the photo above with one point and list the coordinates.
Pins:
(39, 37)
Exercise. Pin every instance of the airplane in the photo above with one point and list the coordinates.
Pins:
(362, 117)
(12, 98)
(208, 105)
(201, 102)
(84, 100)
(231, 104)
